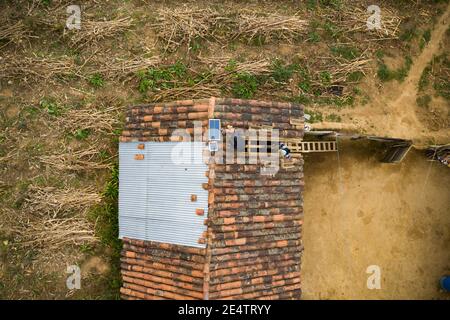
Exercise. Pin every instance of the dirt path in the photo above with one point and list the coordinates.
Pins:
(403, 120)
(393, 112)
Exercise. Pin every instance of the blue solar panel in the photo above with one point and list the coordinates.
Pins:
(214, 129)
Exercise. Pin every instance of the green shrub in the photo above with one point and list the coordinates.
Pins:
(385, 74)
(425, 78)
(161, 78)
(81, 134)
(325, 77)
(96, 80)
(346, 52)
(316, 116)
(245, 85)
(426, 37)
(50, 106)
(282, 72)
(355, 76)
(107, 228)
(402, 73)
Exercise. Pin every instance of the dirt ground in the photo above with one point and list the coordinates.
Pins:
(361, 212)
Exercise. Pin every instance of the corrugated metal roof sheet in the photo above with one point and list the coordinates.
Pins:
(155, 193)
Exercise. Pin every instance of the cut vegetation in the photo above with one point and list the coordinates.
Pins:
(63, 96)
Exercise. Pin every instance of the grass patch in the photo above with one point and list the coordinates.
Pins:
(336, 4)
(346, 52)
(314, 36)
(301, 99)
(244, 85)
(425, 78)
(82, 134)
(339, 102)
(325, 78)
(305, 80)
(331, 30)
(442, 87)
(315, 116)
(426, 37)
(440, 74)
(161, 78)
(355, 76)
(51, 107)
(423, 101)
(333, 118)
(283, 72)
(96, 80)
(386, 74)
(106, 216)
(408, 34)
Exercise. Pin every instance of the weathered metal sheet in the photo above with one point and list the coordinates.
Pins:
(155, 193)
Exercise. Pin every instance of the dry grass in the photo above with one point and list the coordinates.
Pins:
(354, 19)
(93, 31)
(184, 24)
(340, 69)
(272, 26)
(35, 68)
(121, 68)
(101, 121)
(13, 33)
(195, 92)
(30, 69)
(57, 203)
(220, 65)
(221, 76)
(51, 234)
(87, 159)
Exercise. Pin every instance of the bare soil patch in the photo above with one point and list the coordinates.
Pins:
(360, 212)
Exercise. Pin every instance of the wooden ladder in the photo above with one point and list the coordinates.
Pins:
(312, 146)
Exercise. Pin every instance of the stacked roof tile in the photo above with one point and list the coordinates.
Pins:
(253, 238)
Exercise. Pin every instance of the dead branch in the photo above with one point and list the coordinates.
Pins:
(121, 68)
(88, 159)
(184, 24)
(92, 31)
(13, 32)
(52, 234)
(91, 119)
(269, 26)
(354, 19)
(38, 68)
(58, 203)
